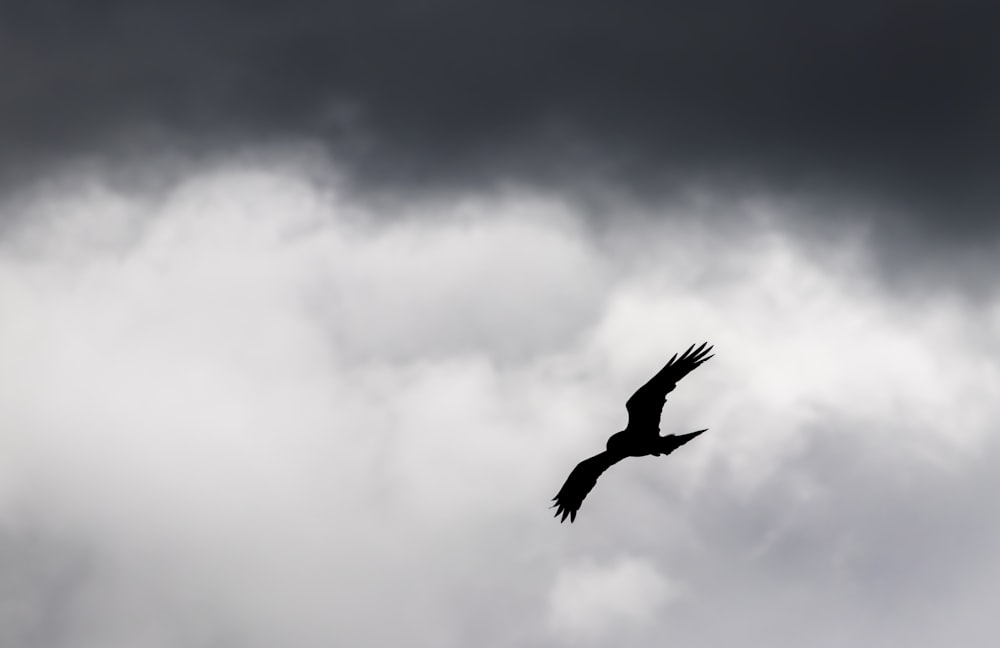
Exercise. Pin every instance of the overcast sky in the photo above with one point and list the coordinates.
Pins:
(308, 309)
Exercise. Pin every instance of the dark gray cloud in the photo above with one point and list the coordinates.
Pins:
(893, 103)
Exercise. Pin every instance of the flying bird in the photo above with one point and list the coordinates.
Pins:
(640, 438)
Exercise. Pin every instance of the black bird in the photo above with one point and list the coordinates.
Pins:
(640, 438)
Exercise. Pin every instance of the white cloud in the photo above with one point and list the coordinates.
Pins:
(267, 416)
(589, 601)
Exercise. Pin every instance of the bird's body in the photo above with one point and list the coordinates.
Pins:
(625, 444)
(640, 438)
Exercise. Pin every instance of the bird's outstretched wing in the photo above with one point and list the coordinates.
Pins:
(580, 482)
(646, 404)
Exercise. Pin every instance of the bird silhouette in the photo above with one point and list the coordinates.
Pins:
(640, 438)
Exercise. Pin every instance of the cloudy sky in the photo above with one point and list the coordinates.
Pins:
(307, 310)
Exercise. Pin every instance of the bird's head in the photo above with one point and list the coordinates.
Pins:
(617, 442)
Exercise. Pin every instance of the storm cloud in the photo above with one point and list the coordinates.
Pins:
(883, 113)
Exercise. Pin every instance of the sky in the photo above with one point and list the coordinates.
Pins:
(307, 311)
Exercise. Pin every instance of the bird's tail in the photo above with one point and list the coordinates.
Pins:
(671, 442)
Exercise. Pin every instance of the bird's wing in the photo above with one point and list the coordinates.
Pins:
(646, 404)
(580, 482)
